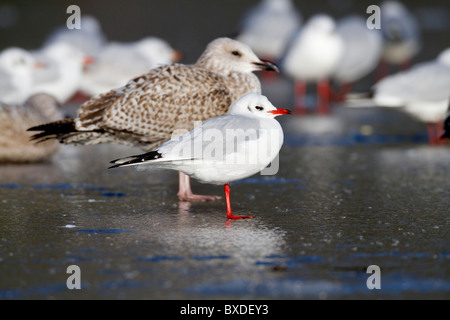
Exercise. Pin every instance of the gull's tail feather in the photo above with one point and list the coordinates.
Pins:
(134, 160)
(66, 132)
(53, 130)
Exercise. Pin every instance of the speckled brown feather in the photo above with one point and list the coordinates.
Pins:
(15, 145)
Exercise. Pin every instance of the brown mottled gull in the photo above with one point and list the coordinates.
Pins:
(15, 145)
(165, 101)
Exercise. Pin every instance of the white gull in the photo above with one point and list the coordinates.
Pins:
(90, 38)
(222, 149)
(423, 91)
(362, 51)
(16, 70)
(268, 27)
(62, 71)
(401, 35)
(312, 57)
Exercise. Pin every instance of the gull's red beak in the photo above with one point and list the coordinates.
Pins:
(280, 111)
(39, 65)
(88, 60)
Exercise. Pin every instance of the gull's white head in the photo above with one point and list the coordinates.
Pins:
(257, 106)
(16, 61)
(321, 23)
(64, 53)
(157, 50)
(225, 55)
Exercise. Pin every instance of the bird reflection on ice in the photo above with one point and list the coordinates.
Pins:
(196, 234)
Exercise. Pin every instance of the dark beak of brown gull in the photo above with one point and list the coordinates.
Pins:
(267, 65)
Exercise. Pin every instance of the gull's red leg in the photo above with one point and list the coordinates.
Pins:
(229, 214)
(323, 97)
(435, 131)
(300, 97)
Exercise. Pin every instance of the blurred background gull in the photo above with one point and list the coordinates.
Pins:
(423, 91)
(402, 37)
(362, 51)
(269, 26)
(119, 62)
(16, 74)
(120, 40)
(312, 57)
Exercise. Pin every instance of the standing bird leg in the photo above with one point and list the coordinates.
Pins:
(436, 133)
(229, 214)
(300, 97)
(185, 192)
(323, 97)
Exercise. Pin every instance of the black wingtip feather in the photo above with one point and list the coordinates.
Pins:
(53, 130)
(152, 155)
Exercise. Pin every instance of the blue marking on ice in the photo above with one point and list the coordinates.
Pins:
(103, 231)
(9, 186)
(159, 258)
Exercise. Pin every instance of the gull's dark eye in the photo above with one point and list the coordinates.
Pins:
(236, 53)
(259, 108)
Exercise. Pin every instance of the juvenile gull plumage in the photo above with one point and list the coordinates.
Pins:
(167, 100)
(223, 149)
(15, 145)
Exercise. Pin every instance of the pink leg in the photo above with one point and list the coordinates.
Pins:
(300, 97)
(323, 97)
(185, 192)
(229, 214)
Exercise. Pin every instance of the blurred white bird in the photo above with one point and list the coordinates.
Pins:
(16, 69)
(210, 153)
(15, 119)
(423, 91)
(362, 51)
(401, 34)
(119, 62)
(62, 71)
(268, 27)
(313, 56)
(90, 39)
